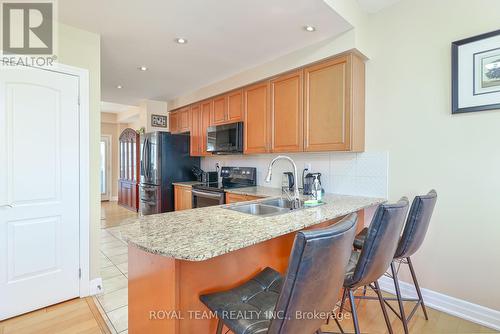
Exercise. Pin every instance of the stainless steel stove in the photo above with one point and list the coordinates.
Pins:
(209, 194)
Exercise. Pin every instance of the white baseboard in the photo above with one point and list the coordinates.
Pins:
(451, 305)
(96, 286)
(114, 199)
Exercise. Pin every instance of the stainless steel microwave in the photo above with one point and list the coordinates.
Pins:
(225, 139)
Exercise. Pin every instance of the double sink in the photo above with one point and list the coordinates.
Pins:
(270, 207)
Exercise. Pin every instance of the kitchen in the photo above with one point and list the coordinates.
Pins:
(274, 167)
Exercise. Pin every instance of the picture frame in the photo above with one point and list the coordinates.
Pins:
(476, 73)
(159, 121)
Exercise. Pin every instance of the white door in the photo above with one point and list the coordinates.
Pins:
(39, 189)
(105, 167)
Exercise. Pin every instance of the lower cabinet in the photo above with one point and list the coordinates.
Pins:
(182, 198)
(127, 194)
(234, 198)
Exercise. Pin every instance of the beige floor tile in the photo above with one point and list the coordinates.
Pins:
(119, 318)
(105, 262)
(119, 259)
(114, 283)
(110, 272)
(114, 300)
(115, 251)
(123, 267)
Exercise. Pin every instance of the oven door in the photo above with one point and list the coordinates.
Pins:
(203, 198)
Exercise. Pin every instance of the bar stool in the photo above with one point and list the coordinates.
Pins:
(271, 303)
(368, 265)
(413, 236)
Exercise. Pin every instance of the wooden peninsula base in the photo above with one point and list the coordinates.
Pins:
(164, 292)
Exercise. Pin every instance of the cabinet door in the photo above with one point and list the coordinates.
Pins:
(219, 110)
(235, 106)
(286, 113)
(183, 120)
(174, 122)
(206, 109)
(327, 109)
(195, 145)
(182, 198)
(257, 119)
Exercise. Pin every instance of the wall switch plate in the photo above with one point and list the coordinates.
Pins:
(96, 286)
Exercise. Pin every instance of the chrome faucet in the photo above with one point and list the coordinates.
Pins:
(296, 194)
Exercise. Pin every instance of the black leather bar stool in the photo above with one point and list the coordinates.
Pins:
(270, 303)
(413, 236)
(368, 265)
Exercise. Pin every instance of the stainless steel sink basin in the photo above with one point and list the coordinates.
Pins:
(258, 209)
(281, 203)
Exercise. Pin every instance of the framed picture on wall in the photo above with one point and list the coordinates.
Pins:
(476, 73)
(159, 121)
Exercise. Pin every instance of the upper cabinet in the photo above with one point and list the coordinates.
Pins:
(227, 108)
(334, 105)
(257, 118)
(235, 106)
(180, 120)
(206, 111)
(319, 107)
(286, 112)
(219, 110)
(195, 143)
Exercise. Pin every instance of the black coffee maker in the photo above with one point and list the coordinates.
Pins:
(308, 181)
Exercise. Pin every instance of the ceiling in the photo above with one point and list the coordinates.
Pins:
(224, 38)
(373, 6)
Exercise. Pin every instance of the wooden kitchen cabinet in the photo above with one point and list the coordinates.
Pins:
(182, 198)
(235, 106)
(195, 143)
(174, 122)
(219, 110)
(286, 111)
(235, 198)
(206, 110)
(257, 118)
(334, 105)
(184, 120)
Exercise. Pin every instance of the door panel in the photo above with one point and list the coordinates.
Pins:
(219, 110)
(286, 109)
(235, 106)
(257, 119)
(206, 109)
(39, 230)
(327, 118)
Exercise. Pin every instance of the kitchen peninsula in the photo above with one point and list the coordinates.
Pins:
(174, 257)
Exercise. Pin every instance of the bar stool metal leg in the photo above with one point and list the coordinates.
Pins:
(220, 325)
(399, 297)
(354, 313)
(382, 305)
(417, 287)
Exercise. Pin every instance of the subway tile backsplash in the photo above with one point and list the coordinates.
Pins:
(364, 174)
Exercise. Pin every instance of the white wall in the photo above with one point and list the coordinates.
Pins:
(408, 114)
(341, 173)
(82, 49)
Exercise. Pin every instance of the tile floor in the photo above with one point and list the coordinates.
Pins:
(114, 265)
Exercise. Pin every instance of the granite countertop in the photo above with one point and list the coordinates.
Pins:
(186, 183)
(203, 233)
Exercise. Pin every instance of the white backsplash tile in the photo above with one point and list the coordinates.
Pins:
(364, 174)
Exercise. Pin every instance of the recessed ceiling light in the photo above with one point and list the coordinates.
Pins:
(181, 40)
(119, 86)
(309, 28)
(142, 68)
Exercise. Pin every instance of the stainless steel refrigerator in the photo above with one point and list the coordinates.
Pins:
(164, 159)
